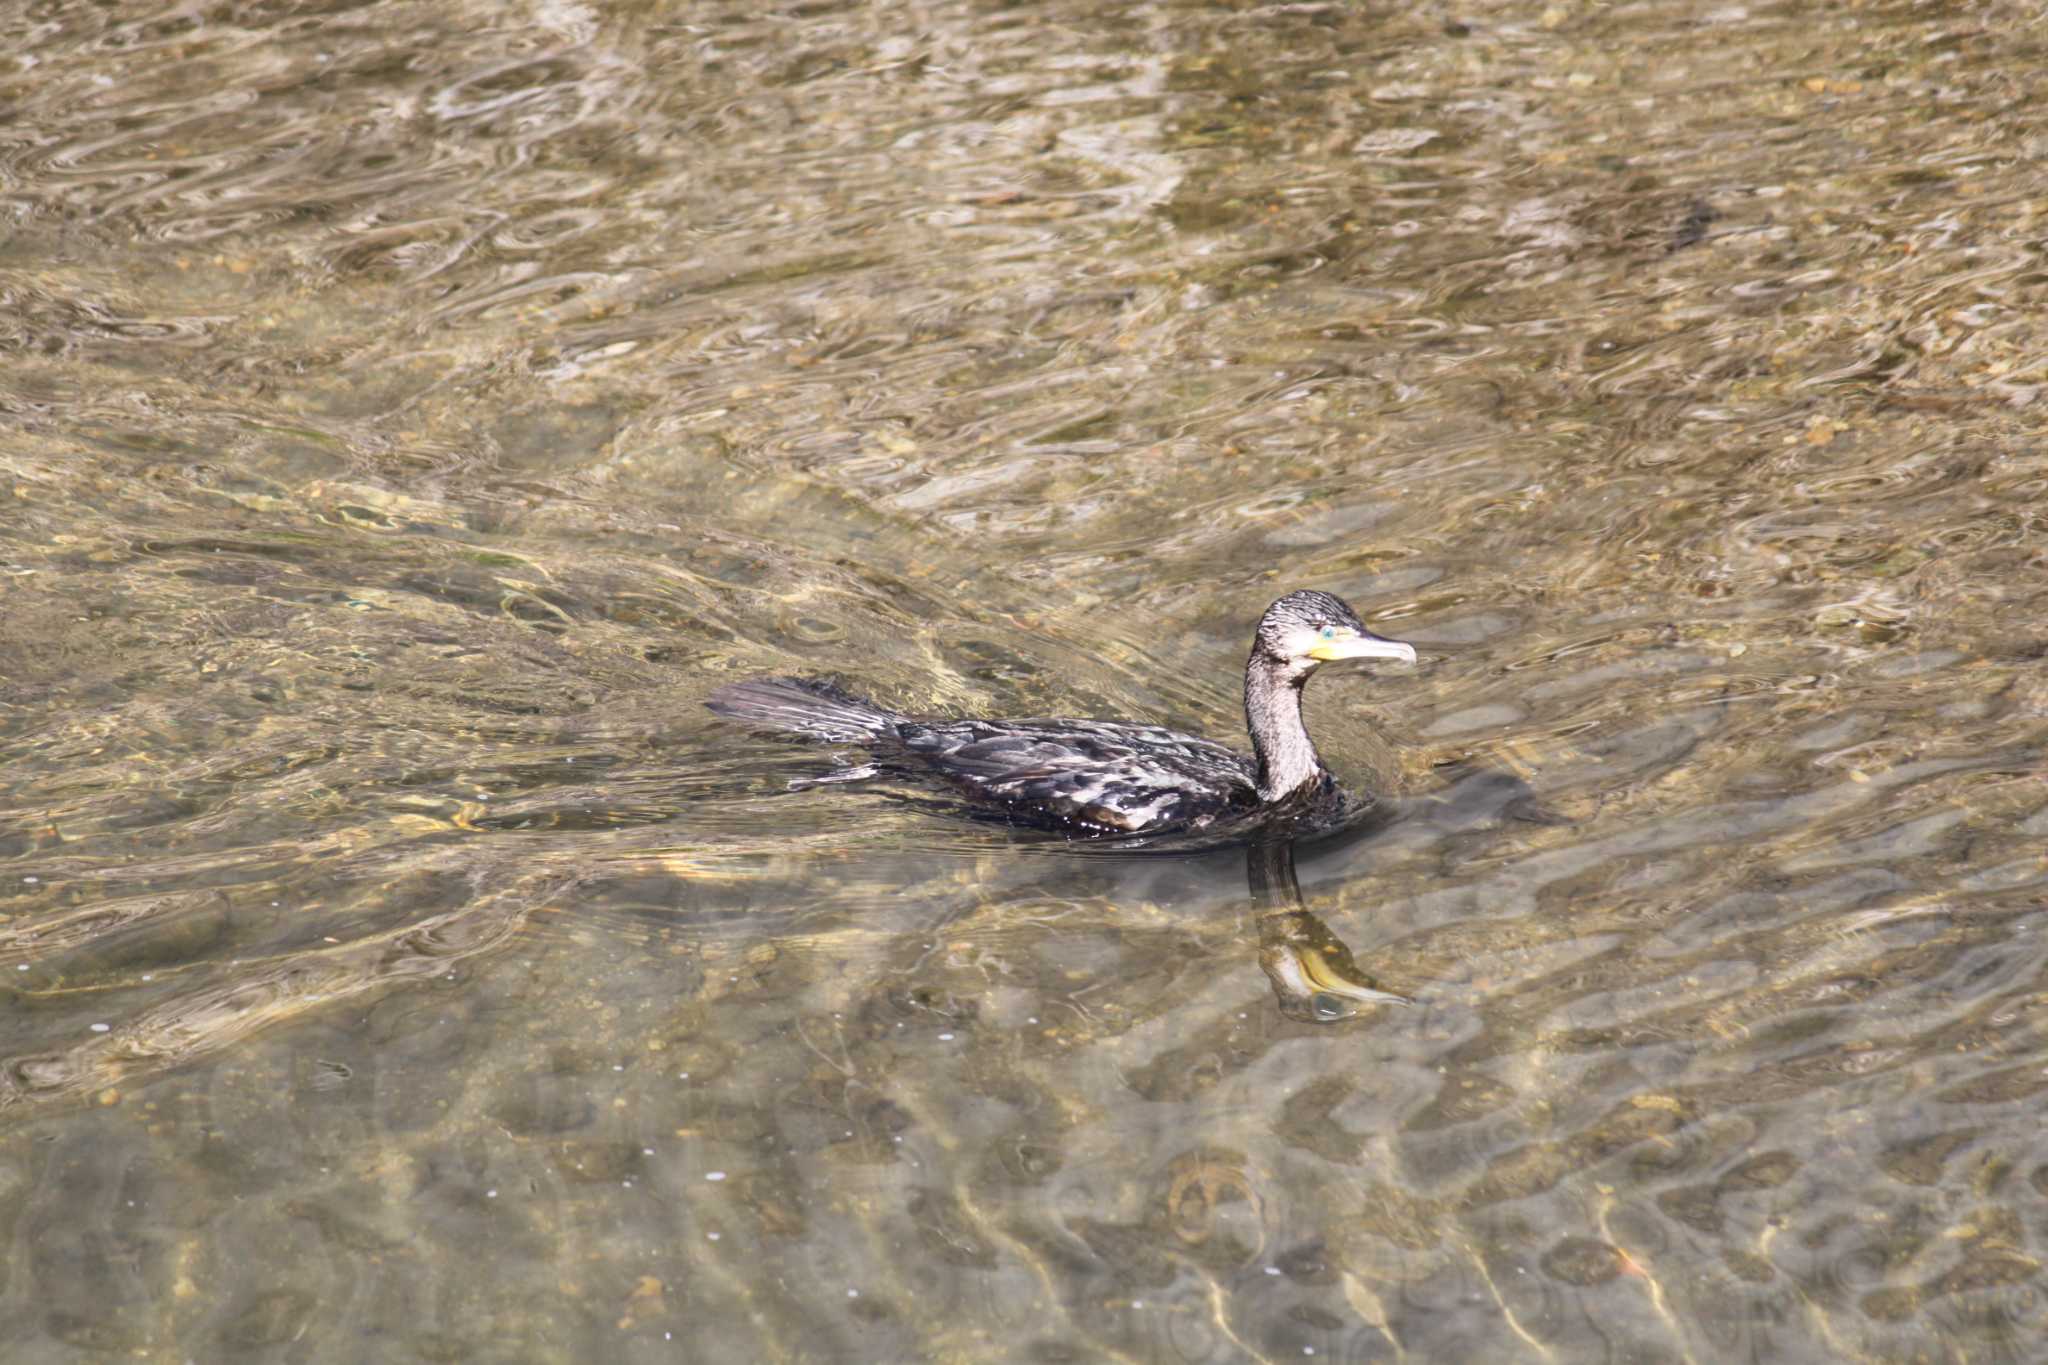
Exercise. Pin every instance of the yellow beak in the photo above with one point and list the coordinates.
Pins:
(1358, 644)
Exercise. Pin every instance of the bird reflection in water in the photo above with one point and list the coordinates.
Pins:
(1314, 977)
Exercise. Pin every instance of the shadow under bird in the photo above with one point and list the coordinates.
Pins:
(1102, 777)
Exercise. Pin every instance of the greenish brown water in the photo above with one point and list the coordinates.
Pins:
(408, 413)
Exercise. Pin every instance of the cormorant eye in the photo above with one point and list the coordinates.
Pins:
(1328, 632)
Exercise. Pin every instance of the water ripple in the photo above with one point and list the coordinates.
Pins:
(412, 413)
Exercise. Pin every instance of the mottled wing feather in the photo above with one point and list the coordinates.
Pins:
(1096, 774)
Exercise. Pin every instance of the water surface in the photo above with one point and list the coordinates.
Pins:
(410, 412)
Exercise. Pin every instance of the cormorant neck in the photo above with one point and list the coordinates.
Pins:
(1272, 712)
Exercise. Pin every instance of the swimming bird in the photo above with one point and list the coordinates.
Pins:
(1092, 778)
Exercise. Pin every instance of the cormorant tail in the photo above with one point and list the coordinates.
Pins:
(808, 706)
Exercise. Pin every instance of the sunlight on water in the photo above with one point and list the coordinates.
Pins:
(411, 413)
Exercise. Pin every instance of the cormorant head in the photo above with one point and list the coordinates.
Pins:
(1308, 628)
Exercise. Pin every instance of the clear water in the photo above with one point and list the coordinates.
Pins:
(408, 413)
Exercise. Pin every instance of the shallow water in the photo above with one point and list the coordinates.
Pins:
(410, 412)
